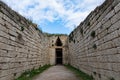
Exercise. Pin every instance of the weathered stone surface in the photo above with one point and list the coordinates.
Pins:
(20, 49)
(117, 8)
(93, 47)
(98, 52)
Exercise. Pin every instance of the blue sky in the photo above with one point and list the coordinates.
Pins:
(55, 16)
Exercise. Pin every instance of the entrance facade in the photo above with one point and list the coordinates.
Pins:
(59, 56)
(58, 50)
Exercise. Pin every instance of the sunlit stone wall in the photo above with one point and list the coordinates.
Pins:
(94, 46)
(22, 46)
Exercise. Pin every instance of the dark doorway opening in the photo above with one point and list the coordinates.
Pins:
(59, 56)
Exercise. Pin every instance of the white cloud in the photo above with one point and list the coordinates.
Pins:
(72, 12)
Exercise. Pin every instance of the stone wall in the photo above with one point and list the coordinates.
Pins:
(94, 46)
(22, 46)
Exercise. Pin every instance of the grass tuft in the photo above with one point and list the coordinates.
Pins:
(112, 78)
(22, 28)
(79, 73)
(95, 46)
(28, 75)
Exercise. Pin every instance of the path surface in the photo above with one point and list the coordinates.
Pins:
(57, 73)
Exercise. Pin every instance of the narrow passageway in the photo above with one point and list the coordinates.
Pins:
(58, 72)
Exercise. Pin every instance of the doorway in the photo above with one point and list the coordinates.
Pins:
(59, 56)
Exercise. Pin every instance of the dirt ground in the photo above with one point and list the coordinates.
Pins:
(58, 72)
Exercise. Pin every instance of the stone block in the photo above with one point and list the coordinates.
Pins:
(8, 77)
(117, 8)
(4, 34)
(2, 22)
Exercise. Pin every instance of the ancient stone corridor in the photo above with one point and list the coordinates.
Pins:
(58, 72)
(92, 47)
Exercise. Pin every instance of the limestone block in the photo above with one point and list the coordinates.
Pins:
(1, 14)
(12, 38)
(7, 77)
(2, 22)
(4, 34)
(114, 27)
(10, 26)
(105, 19)
(114, 34)
(3, 28)
(3, 46)
(116, 67)
(118, 32)
(118, 48)
(110, 14)
(3, 53)
(112, 51)
(107, 24)
(107, 45)
(116, 43)
(117, 8)
(4, 73)
(111, 36)
(4, 40)
(115, 18)
(114, 58)
(13, 33)
(4, 66)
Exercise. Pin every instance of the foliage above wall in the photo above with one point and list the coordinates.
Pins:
(36, 27)
(71, 37)
(49, 35)
(81, 31)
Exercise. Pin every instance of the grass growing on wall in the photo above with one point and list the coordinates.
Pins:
(79, 73)
(28, 75)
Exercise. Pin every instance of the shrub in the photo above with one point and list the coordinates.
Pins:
(81, 31)
(93, 34)
(112, 78)
(94, 73)
(95, 46)
(88, 24)
(22, 28)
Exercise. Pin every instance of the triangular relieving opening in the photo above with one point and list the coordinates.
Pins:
(58, 42)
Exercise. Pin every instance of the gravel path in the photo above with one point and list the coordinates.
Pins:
(57, 73)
